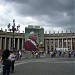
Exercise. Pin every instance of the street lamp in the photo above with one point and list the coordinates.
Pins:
(13, 29)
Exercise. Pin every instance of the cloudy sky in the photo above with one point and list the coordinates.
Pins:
(52, 15)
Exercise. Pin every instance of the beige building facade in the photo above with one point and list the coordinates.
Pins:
(51, 41)
(6, 39)
(59, 40)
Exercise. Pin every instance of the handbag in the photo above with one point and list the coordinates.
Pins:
(7, 62)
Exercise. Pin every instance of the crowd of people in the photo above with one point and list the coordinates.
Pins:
(59, 53)
(8, 58)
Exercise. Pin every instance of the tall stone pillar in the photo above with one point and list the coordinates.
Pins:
(14, 42)
(58, 42)
(18, 44)
(9, 43)
(71, 43)
(62, 42)
(5, 43)
(22, 43)
(0, 43)
(54, 44)
(45, 45)
(66, 43)
(49, 45)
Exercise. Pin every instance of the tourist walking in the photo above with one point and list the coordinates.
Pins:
(20, 54)
(12, 58)
(6, 62)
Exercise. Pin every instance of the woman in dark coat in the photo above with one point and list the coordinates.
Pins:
(5, 58)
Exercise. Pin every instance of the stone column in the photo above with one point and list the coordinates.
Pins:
(9, 43)
(71, 43)
(14, 42)
(54, 44)
(58, 42)
(1, 43)
(45, 45)
(5, 43)
(22, 43)
(18, 44)
(66, 43)
(62, 42)
(49, 45)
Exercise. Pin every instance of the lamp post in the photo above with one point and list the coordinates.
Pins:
(13, 29)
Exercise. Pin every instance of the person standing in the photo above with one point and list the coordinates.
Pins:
(74, 53)
(6, 62)
(69, 54)
(20, 54)
(12, 58)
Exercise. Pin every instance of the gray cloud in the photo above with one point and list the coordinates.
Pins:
(55, 13)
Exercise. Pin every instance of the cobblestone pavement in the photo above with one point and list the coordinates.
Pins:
(45, 66)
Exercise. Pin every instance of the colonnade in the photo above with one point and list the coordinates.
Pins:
(53, 43)
(6, 42)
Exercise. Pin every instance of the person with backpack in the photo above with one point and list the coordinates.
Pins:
(6, 62)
